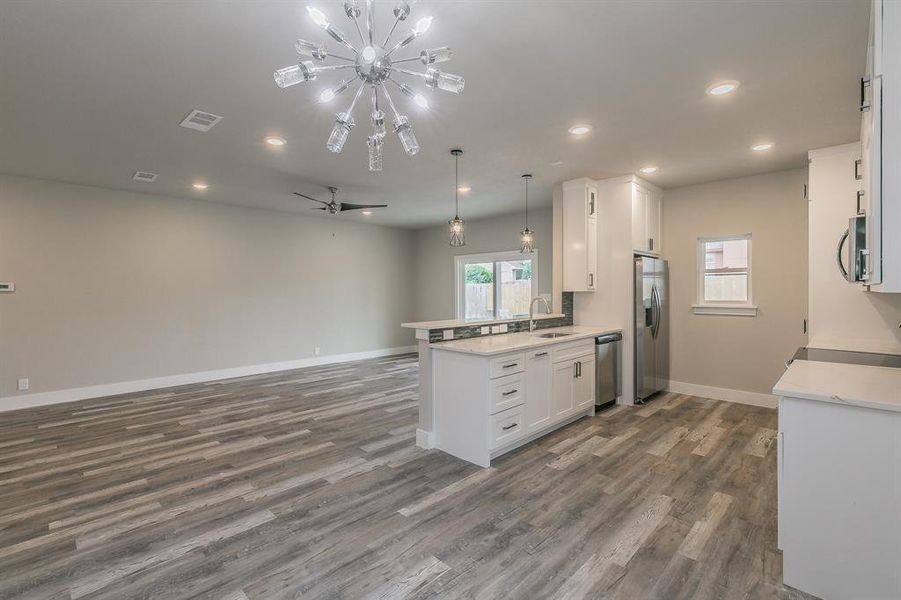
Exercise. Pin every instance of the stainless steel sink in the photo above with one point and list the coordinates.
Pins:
(552, 335)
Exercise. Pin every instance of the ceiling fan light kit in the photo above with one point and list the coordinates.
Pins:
(374, 63)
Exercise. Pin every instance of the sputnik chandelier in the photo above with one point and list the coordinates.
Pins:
(375, 64)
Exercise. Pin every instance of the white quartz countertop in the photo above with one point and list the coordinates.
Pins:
(854, 385)
(489, 345)
(451, 323)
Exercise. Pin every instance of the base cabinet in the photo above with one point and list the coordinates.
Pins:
(840, 499)
(485, 406)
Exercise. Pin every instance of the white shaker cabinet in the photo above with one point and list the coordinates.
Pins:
(880, 105)
(646, 217)
(580, 235)
(486, 406)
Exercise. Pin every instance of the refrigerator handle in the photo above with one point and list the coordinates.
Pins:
(655, 311)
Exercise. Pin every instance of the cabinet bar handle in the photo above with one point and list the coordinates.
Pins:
(510, 426)
(864, 105)
(509, 366)
(541, 354)
(510, 393)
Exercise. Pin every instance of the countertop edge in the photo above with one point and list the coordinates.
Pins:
(452, 323)
(537, 343)
(790, 389)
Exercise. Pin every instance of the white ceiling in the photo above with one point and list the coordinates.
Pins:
(94, 90)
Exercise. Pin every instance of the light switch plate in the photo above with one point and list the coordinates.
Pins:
(503, 328)
(23, 384)
(448, 334)
(495, 329)
(486, 330)
(7, 287)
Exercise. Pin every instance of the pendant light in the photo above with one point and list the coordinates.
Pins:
(455, 225)
(527, 236)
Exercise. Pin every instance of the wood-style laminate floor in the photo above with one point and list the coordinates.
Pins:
(306, 484)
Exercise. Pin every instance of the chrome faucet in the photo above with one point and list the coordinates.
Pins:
(547, 306)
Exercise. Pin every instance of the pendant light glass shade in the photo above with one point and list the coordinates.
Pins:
(456, 227)
(527, 236)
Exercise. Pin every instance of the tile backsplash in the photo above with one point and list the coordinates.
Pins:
(475, 330)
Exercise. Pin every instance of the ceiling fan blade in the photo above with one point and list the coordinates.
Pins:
(318, 208)
(346, 206)
(308, 198)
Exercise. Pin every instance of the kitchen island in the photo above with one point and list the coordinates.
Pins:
(492, 394)
(839, 475)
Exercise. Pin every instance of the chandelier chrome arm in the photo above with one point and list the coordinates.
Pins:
(404, 60)
(370, 20)
(352, 10)
(325, 68)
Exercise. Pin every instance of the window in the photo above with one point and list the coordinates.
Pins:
(724, 276)
(495, 286)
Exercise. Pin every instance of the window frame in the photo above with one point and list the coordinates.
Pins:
(738, 308)
(461, 260)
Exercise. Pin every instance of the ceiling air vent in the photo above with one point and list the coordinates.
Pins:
(201, 121)
(144, 176)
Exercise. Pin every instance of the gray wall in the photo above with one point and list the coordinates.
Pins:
(115, 286)
(743, 353)
(435, 258)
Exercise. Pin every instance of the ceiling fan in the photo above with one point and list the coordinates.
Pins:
(335, 207)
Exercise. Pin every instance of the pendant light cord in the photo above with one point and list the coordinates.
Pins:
(456, 186)
(527, 203)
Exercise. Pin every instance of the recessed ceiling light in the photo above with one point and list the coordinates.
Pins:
(366, 212)
(648, 170)
(723, 87)
(580, 129)
(464, 188)
(199, 185)
(763, 147)
(274, 140)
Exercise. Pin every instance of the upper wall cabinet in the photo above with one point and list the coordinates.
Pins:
(580, 235)
(646, 216)
(879, 199)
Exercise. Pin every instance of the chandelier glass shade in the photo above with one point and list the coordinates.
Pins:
(527, 236)
(456, 227)
(373, 62)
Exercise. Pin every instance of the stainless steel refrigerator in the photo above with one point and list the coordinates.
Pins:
(651, 326)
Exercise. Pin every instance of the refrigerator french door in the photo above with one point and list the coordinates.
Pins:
(651, 327)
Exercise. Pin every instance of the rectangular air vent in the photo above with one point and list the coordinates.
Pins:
(200, 120)
(144, 176)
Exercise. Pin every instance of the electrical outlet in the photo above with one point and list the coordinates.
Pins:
(495, 329)
(486, 330)
(448, 334)
(503, 328)
(317, 351)
(23, 384)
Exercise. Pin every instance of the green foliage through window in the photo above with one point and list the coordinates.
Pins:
(478, 274)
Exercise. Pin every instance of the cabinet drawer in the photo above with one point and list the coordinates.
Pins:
(506, 427)
(573, 350)
(507, 365)
(507, 392)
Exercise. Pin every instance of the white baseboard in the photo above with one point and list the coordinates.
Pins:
(729, 395)
(141, 385)
(425, 439)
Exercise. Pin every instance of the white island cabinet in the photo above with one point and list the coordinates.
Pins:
(839, 477)
(494, 394)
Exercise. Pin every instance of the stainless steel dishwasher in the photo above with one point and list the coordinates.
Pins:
(607, 359)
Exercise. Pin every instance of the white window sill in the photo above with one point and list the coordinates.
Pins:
(731, 310)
